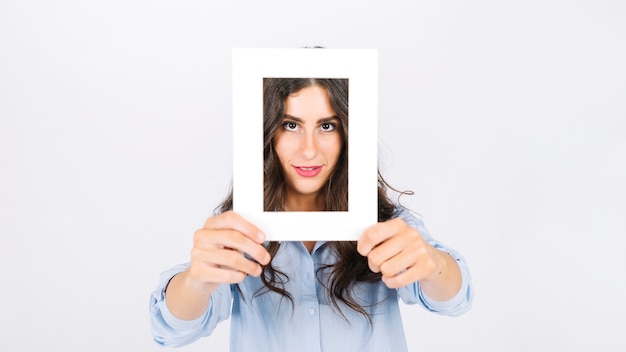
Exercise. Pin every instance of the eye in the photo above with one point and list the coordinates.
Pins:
(290, 126)
(328, 127)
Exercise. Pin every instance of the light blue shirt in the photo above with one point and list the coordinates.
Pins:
(268, 322)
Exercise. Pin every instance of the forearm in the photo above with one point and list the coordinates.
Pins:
(185, 301)
(446, 283)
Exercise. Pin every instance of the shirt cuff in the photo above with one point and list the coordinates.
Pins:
(167, 316)
(180, 324)
(446, 306)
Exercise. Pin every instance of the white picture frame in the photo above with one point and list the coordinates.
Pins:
(360, 67)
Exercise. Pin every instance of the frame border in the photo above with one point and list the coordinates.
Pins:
(360, 66)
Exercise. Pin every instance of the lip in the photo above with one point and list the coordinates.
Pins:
(308, 171)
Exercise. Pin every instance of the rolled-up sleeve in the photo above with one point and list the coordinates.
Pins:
(167, 330)
(412, 294)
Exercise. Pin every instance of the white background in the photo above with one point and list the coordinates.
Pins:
(507, 120)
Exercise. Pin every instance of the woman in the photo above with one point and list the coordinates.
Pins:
(294, 296)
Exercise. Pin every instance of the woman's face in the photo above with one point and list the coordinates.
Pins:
(308, 142)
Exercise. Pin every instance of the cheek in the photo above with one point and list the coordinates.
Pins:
(283, 147)
(332, 148)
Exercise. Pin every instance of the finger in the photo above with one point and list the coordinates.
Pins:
(233, 240)
(229, 259)
(378, 233)
(400, 280)
(385, 251)
(423, 268)
(232, 220)
(398, 264)
(403, 278)
(219, 275)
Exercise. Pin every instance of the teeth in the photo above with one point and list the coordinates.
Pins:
(307, 168)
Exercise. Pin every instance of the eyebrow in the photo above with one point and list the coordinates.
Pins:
(319, 121)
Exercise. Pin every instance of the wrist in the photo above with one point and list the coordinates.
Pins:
(184, 299)
(440, 268)
(197, 286)
(446, 282)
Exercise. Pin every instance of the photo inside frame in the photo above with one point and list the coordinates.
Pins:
(305, 139)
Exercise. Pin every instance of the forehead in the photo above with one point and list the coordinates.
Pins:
(309, 102)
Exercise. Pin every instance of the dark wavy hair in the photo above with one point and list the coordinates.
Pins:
(350, 267)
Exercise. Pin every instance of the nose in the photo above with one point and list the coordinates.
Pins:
(309, 145)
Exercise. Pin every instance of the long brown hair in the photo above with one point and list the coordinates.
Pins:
(350, 267)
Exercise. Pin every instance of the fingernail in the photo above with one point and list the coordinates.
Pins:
(260, 237)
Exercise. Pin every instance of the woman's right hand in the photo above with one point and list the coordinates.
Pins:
(217, 256)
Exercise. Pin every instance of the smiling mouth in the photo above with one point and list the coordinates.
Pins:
(308, 171)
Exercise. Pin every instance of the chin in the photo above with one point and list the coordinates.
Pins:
(307, 189)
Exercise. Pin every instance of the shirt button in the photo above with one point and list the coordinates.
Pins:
(311, 311)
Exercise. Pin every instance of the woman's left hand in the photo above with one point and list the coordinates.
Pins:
(399, 252)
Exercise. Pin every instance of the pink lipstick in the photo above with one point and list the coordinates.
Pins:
(308, 171)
